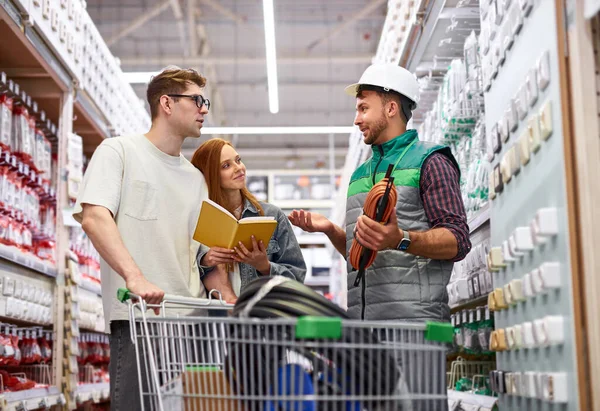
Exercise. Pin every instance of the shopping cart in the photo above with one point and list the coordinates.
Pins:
(291, 364)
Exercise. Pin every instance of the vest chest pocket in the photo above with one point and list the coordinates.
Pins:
(142, 201)
(273, 247)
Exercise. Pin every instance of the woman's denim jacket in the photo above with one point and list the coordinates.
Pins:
(283, 250)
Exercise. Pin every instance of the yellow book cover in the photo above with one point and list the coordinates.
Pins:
(217, 227)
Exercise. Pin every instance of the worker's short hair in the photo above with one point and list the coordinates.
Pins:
(406, 105)
(172, 80)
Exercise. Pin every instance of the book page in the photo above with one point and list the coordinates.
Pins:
(219, 207)
(250, 219)
(262, 230)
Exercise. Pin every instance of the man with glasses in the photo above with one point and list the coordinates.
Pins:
(139, 203)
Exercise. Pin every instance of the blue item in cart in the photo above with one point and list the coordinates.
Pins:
(332, 384)
(292, 380)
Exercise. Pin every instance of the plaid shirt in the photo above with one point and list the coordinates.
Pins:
(442, 200)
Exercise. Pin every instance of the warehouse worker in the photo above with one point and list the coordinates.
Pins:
(139, 203)
(428, 231)
(225, 175)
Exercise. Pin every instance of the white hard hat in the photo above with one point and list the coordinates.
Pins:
(389, 76)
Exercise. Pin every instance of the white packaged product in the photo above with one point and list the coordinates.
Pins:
(20, 128)
(6, 113)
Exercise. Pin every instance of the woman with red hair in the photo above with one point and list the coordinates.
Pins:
(225, 176)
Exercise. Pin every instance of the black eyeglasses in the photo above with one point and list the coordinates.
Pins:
(200, 101)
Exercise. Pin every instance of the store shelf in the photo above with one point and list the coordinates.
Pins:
(25, 56)
(96, 393)
(477, 402)
(32, 399)
(479, 219)
(35, 42)
(85, 285)
(477, 302)
(17, 256)
(87, 107)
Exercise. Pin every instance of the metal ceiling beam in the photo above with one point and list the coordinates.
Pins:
(245, 60)
(364, 12)
(178, 13)
(193, 32)
(139, 21)
(199, 33)
(224, 11)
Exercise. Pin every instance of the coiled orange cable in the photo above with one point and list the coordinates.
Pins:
(370, 210)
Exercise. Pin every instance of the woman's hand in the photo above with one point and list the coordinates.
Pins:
(216, 256)
(257, 258)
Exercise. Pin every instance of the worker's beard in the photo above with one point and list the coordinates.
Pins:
(376, 129)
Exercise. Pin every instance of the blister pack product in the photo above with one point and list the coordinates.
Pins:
(6, 118)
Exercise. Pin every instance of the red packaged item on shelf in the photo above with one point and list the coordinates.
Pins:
(8, 351)
(14, 342)
(6, 114)
(3, 186)
(83, 351)
(27, 237)
(13, 383)
(30, 348)
(15, 232)
(4, 229)
(45, 250)
(28, 144)
(45, 349)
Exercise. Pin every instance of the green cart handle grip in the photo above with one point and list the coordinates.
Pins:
(123, 294)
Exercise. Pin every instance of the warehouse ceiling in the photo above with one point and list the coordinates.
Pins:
(322, 45)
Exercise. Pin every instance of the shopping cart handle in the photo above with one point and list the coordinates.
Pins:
(123, 294)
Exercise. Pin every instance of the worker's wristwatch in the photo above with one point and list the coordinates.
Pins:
(405, 242)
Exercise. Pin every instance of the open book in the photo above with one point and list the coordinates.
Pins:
(217, 227)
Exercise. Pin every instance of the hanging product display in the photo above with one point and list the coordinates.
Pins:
(456, 120)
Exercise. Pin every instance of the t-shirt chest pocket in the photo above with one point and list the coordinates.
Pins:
(141, 201)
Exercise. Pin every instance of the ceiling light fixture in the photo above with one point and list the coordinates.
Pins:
(269, 17)
(278, 130)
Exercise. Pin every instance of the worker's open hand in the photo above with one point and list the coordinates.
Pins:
(257, 257)
(310, 222)
(216, 256)
(375, 236)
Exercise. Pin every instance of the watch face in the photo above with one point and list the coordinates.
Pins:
(404, 243)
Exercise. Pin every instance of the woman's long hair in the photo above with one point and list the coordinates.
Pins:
(207, 159)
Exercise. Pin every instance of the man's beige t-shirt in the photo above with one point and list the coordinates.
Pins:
(155, 199)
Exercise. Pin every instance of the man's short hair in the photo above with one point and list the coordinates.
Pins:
(172, 80)
(406, 105)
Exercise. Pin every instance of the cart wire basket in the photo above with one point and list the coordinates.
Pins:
(217, 362)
